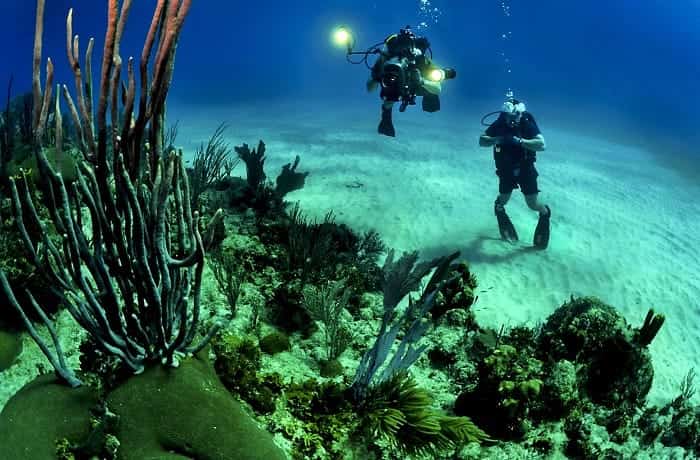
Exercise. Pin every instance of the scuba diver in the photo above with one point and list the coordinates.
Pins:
(515, 138)
(404, 70)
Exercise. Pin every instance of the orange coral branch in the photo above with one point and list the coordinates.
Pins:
(126, 6)
(145, 56)
(108, 55)
(163, 65)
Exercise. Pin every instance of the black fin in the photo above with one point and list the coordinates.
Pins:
(431, 103)
(386, 127)
(541, 238)
(505, 226)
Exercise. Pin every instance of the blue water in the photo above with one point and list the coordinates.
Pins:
(625, 70)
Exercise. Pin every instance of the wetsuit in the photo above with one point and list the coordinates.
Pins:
(515, 165)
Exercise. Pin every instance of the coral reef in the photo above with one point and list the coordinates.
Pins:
(238, 362)
(212, 164)
(457, 293)
(289, 179)
(10, 348)
(254, 164)
(584, 366)
(508, 393)
(400, 414)
(616, 367)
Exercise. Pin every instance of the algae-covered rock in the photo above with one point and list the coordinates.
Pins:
(275, 342)
(561, 391)
(615, 368)
(508, 392)
(238, 362)
(10, 348)
(185, 413)
(17, 264)
(330, 368)
(458, 292)
(42, 413)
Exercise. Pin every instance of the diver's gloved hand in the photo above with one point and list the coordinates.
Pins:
(372, 84)
(511, 141)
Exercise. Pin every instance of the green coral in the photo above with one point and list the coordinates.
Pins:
(10, 348)
(15, 260)
(401, 414)
(615, 364)
(99, 443)
(561, 389)
(327, 418)
(64, 450)
(519, 381)
(275, 342)
(238, 362)
(459, 292)
(26, 165)
(509, 389)
(330, 368)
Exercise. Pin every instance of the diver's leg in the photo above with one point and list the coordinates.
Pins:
(432, 87)
(430, 96)
(386, 126)
(505, 226)
(535, 204)
(430, 103)
(502, 199)
(541, 237)
(528, 184)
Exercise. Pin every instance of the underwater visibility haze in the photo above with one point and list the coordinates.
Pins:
(409, 229)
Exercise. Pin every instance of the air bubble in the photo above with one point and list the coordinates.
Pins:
(428, 13)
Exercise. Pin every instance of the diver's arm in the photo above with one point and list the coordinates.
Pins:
(535, 144)
(433, 87)
(488, 141)
(376, 72)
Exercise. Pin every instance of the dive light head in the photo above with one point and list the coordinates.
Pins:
(440, 74)
(342, 36)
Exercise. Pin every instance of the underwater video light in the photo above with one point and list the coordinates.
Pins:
(342, 36)
(437, 75)
(440, 74)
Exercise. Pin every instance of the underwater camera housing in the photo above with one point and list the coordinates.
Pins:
(401, 80)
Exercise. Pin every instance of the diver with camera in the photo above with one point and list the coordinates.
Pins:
(404, 70)
(516, 138)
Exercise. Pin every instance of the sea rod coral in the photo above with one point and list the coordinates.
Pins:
(130, 273)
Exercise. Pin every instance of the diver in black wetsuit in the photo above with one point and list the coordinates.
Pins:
(515, 138)
(404, 70)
